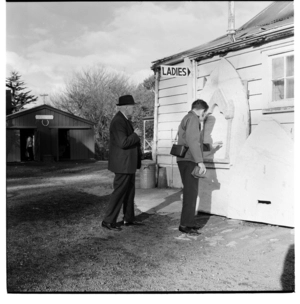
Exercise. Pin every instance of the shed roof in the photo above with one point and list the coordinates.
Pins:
(275, 21)
(34, 109)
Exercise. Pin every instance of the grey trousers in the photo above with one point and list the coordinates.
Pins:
(190, 193)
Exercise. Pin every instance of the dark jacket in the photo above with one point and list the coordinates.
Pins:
(124, 146)
(189, 134)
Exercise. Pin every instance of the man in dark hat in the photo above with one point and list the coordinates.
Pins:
(124, 160)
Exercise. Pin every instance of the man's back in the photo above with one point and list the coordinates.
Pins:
(123, 154)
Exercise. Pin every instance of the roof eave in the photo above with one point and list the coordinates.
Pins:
(252, 41)
(221, 49)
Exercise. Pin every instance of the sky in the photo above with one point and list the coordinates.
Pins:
(47, 41)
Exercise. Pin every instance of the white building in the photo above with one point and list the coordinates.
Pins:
(247, 78)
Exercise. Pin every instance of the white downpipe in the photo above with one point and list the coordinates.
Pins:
(194, 65)
(156, 105)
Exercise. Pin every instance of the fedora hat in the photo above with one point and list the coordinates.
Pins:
(126, 100)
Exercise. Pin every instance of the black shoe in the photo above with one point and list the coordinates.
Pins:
(188, 230)
(133, 223)
(111, 226)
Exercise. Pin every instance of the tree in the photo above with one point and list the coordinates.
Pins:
(19, 98)
(93, 93)
(144, 95)
(149, 83)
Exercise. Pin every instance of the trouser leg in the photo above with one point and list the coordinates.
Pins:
(121, 184)
(128, 205)
(30, 152)
(190, 193)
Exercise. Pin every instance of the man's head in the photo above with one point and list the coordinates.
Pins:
(200, 107)
(127, 110)
(126, 104)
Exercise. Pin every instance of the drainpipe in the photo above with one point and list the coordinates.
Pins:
(231, 21)
(156, 105)
(194, 65)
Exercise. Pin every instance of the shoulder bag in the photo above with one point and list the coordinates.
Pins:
(178, 150)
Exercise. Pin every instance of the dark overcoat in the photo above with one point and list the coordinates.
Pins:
(124, 146)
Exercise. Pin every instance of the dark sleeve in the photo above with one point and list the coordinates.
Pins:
(193, 139)
(122, 140)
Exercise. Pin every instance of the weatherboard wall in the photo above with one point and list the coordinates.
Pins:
(251, 66)
(174, 99)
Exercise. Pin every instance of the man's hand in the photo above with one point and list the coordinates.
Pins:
(138, 132)
(202, 168)
(217, 145)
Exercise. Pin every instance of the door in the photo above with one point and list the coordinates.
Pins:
(90, 142)
(63, 144)
(13, 146)
(54, 143)
(24, 135)
(37, 145)
(79, 144)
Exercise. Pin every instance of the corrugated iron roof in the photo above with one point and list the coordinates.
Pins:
(276, 11)
(277, 15)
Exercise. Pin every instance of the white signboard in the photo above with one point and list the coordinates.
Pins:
(43, 116)
(175, 71)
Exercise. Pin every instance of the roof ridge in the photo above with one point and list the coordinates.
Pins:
(52, 108)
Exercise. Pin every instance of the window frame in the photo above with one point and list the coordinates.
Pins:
(283, 105)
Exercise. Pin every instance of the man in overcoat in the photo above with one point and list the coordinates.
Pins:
(124, 160)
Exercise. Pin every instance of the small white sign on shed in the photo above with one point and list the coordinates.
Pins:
(43, 117)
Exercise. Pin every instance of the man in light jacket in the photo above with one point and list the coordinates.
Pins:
(189, 135)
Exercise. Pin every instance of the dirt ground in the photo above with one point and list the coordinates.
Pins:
(55, 242)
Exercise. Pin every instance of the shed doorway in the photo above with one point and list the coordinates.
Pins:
(64, 144)
(24, 134)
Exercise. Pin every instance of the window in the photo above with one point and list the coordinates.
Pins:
(278, 79)
(282, 78)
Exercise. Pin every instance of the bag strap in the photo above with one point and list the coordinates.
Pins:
(176, 137)
(184, 129)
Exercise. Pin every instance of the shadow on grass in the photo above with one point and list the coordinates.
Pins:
(201, 218)
(55, 205)
(56, 244)
(29, 169)
(288, 274)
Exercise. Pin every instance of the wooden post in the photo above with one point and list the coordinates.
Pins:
(144, 122)
(190, 81)
(43, 140)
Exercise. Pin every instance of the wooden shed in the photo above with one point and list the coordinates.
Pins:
(247, 78)
(57, 135)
